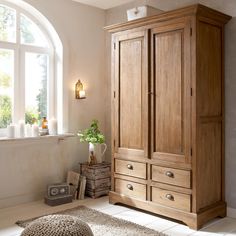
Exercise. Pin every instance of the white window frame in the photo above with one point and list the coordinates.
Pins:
(20, 51)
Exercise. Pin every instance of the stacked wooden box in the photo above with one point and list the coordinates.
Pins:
(98, 179)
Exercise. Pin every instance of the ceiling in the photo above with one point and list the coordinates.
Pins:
(104, 4)
(225, 6)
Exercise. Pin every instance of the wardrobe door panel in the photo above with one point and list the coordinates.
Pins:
(168, 88)
(131, 87)
(171, 93)
(130, 119)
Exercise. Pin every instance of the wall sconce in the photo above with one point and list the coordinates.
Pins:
(79, 90)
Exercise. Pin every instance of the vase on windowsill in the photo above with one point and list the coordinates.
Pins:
(96, 141)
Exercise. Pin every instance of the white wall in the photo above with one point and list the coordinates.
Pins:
(26, 168)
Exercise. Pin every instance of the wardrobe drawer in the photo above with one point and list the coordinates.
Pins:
(131, 168)
(172, 199)
(131, 189)
(172, 176)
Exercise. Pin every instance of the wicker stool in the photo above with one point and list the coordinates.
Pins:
(57, 225)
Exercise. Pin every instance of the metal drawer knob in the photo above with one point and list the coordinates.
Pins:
(170, 197)
(130, 187)
(130, 167)
(169, 174)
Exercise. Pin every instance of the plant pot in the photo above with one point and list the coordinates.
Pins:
(95, 149)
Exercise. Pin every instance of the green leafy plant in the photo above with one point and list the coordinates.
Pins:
(92, 134)
(31, 116)
(5, 111)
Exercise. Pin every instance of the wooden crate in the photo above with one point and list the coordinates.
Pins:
(98, 177)
(98, 183)
(96, 193)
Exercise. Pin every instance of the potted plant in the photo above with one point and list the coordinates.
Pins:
(96, 140)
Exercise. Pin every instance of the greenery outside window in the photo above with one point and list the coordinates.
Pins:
(26, 69)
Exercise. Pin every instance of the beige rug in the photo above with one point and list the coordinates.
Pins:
(103, 224)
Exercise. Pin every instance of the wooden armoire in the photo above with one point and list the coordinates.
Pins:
(168, 114)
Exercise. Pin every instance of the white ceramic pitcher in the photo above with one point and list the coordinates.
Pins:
(96, 148)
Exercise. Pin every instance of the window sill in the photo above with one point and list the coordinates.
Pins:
(58, 138)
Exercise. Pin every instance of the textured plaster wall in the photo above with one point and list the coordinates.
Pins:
(26, 168)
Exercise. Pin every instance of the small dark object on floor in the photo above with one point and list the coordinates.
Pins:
(59, 200)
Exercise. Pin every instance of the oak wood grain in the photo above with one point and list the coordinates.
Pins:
(168, 93)
(132, 189)
(130, 86)
(131, 168)
(176, 200)
(168, 113)
(171, 187)
(130, 94)
(172, 176)
(193, 220)
(170, 108)
(167, 16)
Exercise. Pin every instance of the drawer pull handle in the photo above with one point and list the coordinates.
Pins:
(170, 197)
(169, 174)
(130, 187)
(130, 167)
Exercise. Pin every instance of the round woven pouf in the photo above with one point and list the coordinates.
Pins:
(57, 225)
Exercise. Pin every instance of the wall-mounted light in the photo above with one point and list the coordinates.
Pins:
(79, 90)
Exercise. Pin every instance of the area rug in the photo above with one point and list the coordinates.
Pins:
(103, 224)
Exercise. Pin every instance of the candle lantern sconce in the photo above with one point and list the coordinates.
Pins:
(79, 90)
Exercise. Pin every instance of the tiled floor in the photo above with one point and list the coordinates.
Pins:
(8, 216)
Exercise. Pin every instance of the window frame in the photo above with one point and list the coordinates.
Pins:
(20, 51)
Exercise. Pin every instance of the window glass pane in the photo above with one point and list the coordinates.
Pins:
(6, 86)
(7, 24)
(30, 33)
(36, 87)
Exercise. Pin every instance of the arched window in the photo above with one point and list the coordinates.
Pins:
(27, 68)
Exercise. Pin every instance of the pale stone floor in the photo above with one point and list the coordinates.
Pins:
(8, 217)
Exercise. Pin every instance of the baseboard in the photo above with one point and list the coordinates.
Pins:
(231, 212)
(20, 199)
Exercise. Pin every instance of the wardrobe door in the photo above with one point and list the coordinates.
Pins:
(130, 85)
(171, 92)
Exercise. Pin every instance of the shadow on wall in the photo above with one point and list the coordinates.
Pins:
(230, 112)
